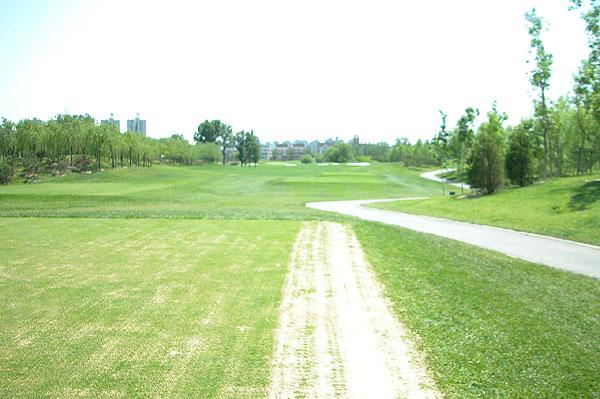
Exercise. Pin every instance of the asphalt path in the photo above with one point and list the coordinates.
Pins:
(434, 175)
(563, 254)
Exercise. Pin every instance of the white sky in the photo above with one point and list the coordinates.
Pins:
(287, 69)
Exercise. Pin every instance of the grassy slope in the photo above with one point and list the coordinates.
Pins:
(491, 326)
(567, 208)
(211, 192)
(139, 308)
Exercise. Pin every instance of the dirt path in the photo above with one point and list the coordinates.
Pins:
(337, 336)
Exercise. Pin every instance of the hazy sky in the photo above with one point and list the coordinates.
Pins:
(287, 69)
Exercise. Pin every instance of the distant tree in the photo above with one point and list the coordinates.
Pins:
(464, 135)
(341, 152)
(225, 140)
(306, 158)
(520, 160)
(208, 131)
(540, 80)
(440, 141)
(7, 139)
(241, 145)
(486, 166)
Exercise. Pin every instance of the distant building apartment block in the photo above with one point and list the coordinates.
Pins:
(136, 125)
(111, 121)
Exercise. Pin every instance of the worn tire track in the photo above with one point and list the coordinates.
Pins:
(337, 336)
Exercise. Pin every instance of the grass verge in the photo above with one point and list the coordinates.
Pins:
(491, 326)
(567, 208)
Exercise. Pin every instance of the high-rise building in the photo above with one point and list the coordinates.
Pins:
(136, 125)
(111, 121)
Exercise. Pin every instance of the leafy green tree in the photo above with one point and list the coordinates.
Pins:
(540, 80)
(341, 152)
(252, 148)
(463, 136)
(493, 127)
(240, 146)
(520, 160)
(225, 140)
(586, 98)
(7, 139)
(589, 75)
(440, 141)
(486, 165)
(208, 131)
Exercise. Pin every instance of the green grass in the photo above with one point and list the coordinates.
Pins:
(133, 283)
(270, 191)
(491, 326)
(139, 308)
(567, 208)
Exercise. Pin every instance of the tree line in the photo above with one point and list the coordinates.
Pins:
(561, 138)
(242, 146)
(78, 143)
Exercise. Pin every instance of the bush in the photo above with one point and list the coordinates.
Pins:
(59, 168)
(7, 172)
(83, 164)
(31, 164)
(306, 159)
(363, 158)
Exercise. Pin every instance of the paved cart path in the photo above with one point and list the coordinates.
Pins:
(337, 336)
(434, 175)
(568, 255)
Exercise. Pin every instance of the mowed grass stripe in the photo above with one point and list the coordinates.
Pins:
(139, 308)
(210, 191)
(491, 326)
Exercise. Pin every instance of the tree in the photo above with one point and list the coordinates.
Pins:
(520, 165)
(440, 141)
(7, 139)
(486, 166)
(208, 132)
(463, 137)
(252, 148)
(493, 127)
(540, 80)
(225, 140)
(590, 12)
(341, 152)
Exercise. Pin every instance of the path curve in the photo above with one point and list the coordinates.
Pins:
(433, 175)
(555, 252)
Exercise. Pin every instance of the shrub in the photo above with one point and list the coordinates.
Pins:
(7, 172)
(306, 159)
(83, 164)
(31, 164)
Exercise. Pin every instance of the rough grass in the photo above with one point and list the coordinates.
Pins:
(270, 191)
(491, 326)
(567, 208)
(139, 308)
